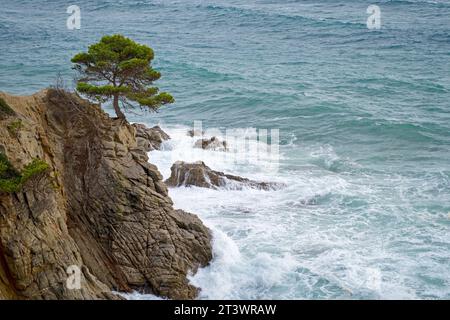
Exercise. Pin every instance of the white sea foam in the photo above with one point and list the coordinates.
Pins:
(323, 236)
(135, 295)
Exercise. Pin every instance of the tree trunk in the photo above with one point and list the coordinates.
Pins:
(119, 112)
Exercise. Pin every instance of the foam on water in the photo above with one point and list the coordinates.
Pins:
(325, 235)
(135, 295)
(364, 130)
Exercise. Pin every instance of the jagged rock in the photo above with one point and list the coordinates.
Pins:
(101, 206)
(211, 144)
(200, 175)
(149, 138)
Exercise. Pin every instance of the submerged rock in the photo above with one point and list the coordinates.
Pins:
(100, 207)
(211, 144)
(150, 138)
(200, 175)
(195, 133)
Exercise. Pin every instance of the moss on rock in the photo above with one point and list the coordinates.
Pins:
(14, 127)
(11, 180)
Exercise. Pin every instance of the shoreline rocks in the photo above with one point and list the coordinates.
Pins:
(213, 144)
(200, 175)
(195, 133)
(100, 206)
(149, 139)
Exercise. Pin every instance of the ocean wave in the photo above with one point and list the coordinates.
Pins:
(418, 3)
(260, 14)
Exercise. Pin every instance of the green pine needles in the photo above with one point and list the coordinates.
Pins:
(119, 69)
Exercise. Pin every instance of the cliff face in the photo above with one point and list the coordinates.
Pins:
(99, 206)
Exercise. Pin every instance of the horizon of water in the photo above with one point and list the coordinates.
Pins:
(364, 120)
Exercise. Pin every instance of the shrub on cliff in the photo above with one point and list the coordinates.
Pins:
(5, 109)
(11, 180)
(14, 127)
(119, 69)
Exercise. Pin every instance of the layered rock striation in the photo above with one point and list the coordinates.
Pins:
(97, 205)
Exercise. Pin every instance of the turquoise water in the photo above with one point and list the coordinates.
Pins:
(364, 120)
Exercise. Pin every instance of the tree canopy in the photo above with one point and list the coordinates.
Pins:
(119, 69)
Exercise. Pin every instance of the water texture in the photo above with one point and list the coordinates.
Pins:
(364, 120)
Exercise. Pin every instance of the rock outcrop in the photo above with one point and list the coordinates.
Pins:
(195, 133)
(99, 206)
(200, 175)
(213, 144)
(149, 139)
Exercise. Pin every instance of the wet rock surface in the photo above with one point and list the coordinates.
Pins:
(149, 138)
(195, 133)
(211, 144)
(200, 175)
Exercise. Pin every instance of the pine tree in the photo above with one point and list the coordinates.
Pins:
(119, 69)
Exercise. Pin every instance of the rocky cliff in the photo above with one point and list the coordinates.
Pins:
(77, 190)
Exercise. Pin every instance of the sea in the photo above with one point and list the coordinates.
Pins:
(357, 116)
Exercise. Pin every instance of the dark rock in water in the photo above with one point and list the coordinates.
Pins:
(150, 138)
(211, 144)
(195, 133)
(100, 206)
(200, 175)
